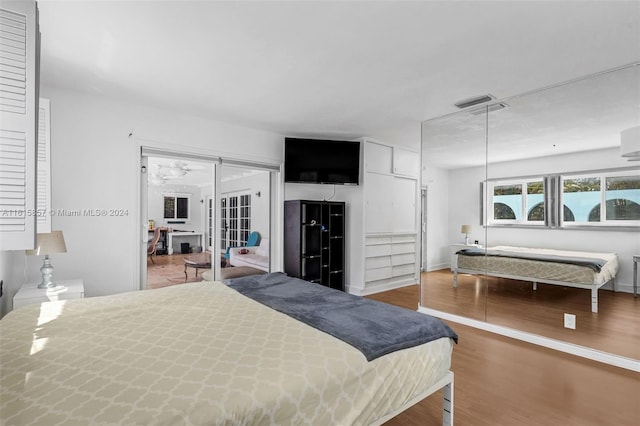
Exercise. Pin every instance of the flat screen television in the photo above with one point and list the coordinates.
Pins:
(321, 161)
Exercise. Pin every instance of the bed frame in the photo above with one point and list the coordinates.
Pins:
(593, 287)
(446, 384)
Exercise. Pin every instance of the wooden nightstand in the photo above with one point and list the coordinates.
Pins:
(64, 290)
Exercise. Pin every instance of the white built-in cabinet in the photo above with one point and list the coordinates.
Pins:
(391, 212)
(19, 84)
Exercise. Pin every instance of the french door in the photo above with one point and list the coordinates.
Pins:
(210, 224)
(235, 219)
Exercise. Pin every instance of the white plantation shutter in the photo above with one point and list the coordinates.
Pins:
(19, 37)
(43, 187)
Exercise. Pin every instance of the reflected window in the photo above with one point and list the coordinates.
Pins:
(176, 206)
(606, 198)
(618, 209)
(568, 215)
(536, 213)
(581, 195)
(511, 199)
(503, 212)
(611, 199)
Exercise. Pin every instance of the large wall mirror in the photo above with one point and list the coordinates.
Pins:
(540, 173)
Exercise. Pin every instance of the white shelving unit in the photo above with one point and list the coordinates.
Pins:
(391, 217)
(390, 260)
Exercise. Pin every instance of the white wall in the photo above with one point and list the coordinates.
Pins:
(436, 181)
(94, 165)
(6, 275)
(464, 208)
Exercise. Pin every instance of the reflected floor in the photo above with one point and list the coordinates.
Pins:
(514, 304)
(168, 270)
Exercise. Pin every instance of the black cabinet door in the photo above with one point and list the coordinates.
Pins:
(314, 241)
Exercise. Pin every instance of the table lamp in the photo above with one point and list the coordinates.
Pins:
(466, 230)
(46, 244)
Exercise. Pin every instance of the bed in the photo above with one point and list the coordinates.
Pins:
(588, 270)
(203, 353)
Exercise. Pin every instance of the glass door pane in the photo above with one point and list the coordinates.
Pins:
(246, 205)
(224, 227)
(454, 172)
(580, 198)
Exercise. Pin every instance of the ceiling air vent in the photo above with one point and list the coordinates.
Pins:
(474, 101)
(488, 108)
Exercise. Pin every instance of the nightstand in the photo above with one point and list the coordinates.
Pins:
(456, 248)
(64, 290)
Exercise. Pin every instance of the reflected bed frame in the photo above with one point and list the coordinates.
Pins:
(593, 287)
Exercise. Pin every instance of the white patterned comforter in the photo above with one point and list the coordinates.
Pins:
(195, 354)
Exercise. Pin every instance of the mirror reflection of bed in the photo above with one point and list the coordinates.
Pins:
(543, 150)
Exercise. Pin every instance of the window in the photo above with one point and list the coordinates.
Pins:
(602, 199)
(176, 207)
(605, 199)
(517, 202)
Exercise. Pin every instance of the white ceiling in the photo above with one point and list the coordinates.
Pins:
(331, 69)
(582, 115)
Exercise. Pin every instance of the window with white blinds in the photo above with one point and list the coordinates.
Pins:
(13, 70)
(19, 38)
(13, 190)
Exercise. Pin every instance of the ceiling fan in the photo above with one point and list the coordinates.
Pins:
(160, 173)
(177, 168)
(158, 176)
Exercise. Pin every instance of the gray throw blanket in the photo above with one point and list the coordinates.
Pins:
(374, 328)
(593, 263)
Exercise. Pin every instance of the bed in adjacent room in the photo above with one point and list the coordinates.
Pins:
(588, 270)
(203, 353)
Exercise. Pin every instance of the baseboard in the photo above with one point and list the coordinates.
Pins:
(379, 288)
(437, 267)
(570, 348)
(620, 287)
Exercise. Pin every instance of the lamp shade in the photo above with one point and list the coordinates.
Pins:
(466, 229)
(630, 143)
(49, 243)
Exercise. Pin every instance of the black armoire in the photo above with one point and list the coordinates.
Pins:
(314, 241)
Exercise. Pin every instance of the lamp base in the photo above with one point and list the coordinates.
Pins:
(47, 274)
(466, 240)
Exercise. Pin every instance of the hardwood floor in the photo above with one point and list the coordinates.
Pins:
(168, 270)
(502, 381)
(615, 328)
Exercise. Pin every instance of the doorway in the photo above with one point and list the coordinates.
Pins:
(200, 205)
(178, 248)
